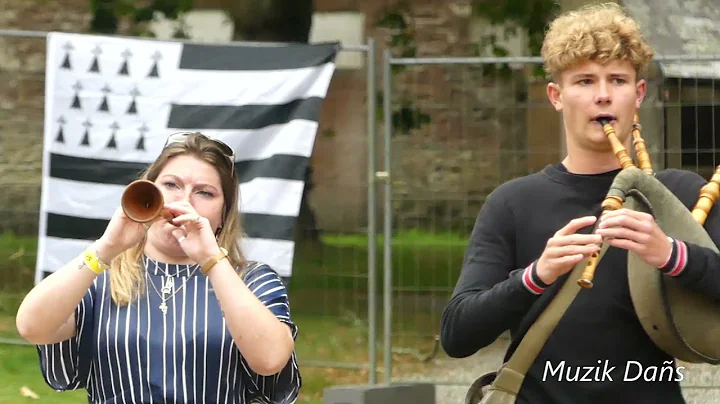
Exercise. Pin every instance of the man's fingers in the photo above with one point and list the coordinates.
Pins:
(569, 250)
(576, 224)
(643, 225)
(575, 239)
(569, 259)
(625, 234)
(628, 212)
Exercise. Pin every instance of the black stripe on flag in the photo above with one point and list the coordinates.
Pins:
(233, 57)
(94, 170)
(254, 225)
(280, 166)
(242, 116)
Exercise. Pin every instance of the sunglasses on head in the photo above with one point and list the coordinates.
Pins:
(181, 137)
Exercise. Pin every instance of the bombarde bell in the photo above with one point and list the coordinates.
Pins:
(142, 202)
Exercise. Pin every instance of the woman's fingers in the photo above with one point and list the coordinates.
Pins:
(188, 218)
(179, 235)
(179, 208)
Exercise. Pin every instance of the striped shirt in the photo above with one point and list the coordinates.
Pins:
(137, 354)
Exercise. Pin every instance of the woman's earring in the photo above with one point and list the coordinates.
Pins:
(217, 232)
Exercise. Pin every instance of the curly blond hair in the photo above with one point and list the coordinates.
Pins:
(601, 33)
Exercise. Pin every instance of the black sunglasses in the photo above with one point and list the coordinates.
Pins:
(180, 137)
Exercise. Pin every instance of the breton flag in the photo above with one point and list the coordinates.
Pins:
(110, 103)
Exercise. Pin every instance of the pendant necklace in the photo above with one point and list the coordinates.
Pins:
(167, 289)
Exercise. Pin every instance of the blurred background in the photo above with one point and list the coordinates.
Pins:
(433, 104)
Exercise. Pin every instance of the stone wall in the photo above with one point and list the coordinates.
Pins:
(443, 171)
(22, 85)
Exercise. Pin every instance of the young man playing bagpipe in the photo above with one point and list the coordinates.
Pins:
(533, 230)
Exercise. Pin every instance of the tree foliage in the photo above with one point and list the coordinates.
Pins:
(529, 16)
(396, 19)
(109, 14)
(271, 20)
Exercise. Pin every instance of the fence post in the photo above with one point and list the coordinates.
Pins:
(387, 232)
(372, 212)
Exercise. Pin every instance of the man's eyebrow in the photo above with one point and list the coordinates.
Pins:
(589, 75)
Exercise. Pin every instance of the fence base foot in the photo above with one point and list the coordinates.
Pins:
(420, 393)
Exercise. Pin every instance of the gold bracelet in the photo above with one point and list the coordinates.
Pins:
(211, 263)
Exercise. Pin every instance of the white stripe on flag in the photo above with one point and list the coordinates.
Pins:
(294, 138)
(270, 196)
(277, 254)
(218, 87)
(60, 251)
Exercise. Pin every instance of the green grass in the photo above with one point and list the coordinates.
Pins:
(420, 262)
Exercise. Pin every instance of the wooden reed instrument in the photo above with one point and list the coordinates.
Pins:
(709, 193)
(642, 154)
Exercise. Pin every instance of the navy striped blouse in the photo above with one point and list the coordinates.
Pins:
(137, 354)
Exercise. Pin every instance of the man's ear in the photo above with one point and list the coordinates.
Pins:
(553, 94)
(641, 88)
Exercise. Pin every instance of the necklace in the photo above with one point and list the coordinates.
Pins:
(166, 289)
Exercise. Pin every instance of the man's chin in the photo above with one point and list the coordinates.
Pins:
(599, 143)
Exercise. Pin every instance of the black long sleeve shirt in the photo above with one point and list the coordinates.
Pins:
(498, 290)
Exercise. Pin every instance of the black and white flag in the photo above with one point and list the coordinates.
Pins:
(110, 103)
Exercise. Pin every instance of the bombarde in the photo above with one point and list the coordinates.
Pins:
(143, 202)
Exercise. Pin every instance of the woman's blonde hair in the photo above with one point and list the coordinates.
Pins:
(127, 277)
(601, 33)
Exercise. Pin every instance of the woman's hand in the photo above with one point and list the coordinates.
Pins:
(194, 234)
(120, 234)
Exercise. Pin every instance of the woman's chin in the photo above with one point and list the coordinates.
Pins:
(164, 241)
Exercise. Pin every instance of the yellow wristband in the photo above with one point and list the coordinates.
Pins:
(210, 264)
(92, 261)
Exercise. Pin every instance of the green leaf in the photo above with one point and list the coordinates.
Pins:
(143, 14)
(392, 19)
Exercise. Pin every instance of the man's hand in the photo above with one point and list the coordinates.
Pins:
(566, 248)
(637, 232)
